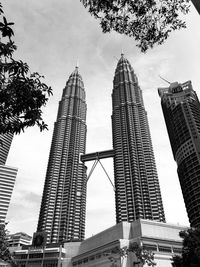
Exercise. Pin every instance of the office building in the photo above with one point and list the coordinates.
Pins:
(5, 143)
(48, 256)
(137, 190)
(62, 213)
(196, 3)
(7, 181)
(7, 175)
(181, 109)
(19, 239)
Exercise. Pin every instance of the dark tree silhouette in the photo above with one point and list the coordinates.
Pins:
(4, 251)
(190, 256)
(149, 22)
(22, 94)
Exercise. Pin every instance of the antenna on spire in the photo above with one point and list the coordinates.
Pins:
(77, 64)
(122, 52)
(164, 79)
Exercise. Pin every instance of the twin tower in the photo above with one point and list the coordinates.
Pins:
(137, 191)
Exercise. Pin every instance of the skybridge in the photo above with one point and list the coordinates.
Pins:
(96, 157)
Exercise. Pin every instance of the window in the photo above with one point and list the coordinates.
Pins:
(165, 249)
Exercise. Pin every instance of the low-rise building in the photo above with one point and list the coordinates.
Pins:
(19, 239)
(49, 256)
(103, 249)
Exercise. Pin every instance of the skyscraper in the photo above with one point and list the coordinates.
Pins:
(196, 4)
(5, 143)
(7, 181)
(62, 213)
(136, 181)
(181, 109)
(7, 175)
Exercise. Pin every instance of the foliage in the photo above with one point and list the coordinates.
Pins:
(22, 94)
(143, 256)
(177, 261)
(149, 22)
(4, 251)
(190, 256)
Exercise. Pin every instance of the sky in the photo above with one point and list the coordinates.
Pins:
(51, 37)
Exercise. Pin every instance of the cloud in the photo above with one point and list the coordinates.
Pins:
(22, 212)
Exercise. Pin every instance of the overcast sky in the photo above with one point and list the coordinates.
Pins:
(51, 36)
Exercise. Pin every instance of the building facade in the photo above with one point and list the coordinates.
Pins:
(5, 143)
(197, 5)
(136, 181)
(48, 256)
(7, 181)
(19, 239)
(181, 109)
(103, 249)
(63, 207)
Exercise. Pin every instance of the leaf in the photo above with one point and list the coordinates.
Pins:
(149, 22)
(22, 94)
(5, 21)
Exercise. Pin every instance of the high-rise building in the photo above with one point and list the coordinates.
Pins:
(5, 143)
(181, 109)
(7, 181)
(7, 175)
(136, 181)
(63, 207)
(196, 3)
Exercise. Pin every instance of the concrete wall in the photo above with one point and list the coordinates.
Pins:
(100, 250)
(71, 250)
(163, 260)
(119, 231)
(162, 231)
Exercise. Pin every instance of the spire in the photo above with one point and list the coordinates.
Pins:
(123, 64)
(164, 79)
(122, 52)
(77, 64)
(75, 75)
(76, 68)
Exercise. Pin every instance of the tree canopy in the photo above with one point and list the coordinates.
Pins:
(22, 93)
(149, 22)
(4, 251)
(190, 256)
(143, 256)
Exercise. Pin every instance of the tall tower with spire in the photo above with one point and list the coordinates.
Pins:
(136, 181)
(63, 207)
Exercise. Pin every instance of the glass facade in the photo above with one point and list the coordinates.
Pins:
(181, 109)
(63, 207)
(136, 181)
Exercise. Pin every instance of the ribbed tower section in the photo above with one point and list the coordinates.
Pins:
(136, 181)
(181, 109)
(63, 207)
(5, 143)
